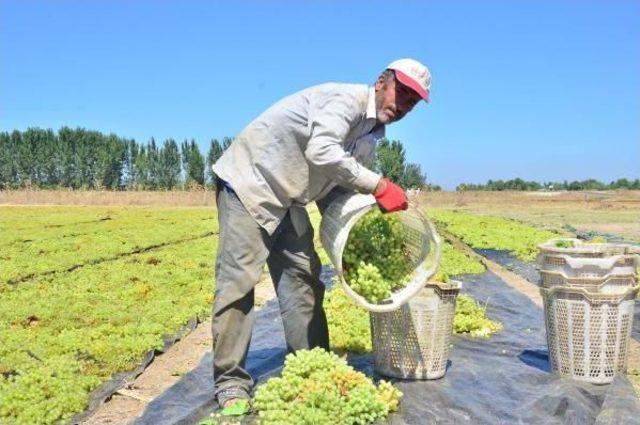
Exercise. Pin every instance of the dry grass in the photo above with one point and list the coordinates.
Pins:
(93, 197)
(616, 212)
(590, 199)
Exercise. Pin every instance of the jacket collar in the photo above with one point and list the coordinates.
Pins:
(371, 104)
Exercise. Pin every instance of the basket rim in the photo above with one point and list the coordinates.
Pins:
(591, 296)
(590, 279)
(580, 262)
(581, 247)
(445, 286)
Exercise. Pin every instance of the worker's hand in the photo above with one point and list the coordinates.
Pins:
(390, 196)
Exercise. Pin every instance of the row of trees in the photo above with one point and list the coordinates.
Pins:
(523, 185)
(80, 158)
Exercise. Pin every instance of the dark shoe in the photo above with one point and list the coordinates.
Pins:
(233, 401)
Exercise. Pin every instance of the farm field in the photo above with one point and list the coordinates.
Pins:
(611, 212)
(87, 290)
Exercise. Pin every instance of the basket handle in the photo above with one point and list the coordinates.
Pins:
(602, 263)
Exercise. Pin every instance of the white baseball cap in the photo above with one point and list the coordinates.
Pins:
(414, 75)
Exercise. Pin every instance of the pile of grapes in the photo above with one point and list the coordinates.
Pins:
(375, 260)
(472, 319)
(317, 387)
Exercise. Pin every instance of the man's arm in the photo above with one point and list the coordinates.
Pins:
(330, 125)
(330, 122)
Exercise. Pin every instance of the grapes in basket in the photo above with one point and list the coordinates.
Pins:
(375, 260)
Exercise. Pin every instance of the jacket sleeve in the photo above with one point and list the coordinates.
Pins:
(330, 121)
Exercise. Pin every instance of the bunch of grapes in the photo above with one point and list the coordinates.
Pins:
(318, 387)
(472, 319)
(375, 260)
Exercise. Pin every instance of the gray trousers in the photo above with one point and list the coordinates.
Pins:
(244, 248)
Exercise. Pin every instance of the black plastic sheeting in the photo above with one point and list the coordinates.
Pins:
(501, 380)
(528, 271)
(590, 234)
(509, 261)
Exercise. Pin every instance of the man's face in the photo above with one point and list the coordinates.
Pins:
(393, 100)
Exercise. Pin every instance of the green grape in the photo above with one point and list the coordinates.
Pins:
(472, 319)
(318, 387)
(389, 395)
(349, 327)
(375, 260)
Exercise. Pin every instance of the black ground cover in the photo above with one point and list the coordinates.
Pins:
(501, 380)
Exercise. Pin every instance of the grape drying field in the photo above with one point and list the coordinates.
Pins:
(87, 291)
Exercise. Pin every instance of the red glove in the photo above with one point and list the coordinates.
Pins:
(390, 196)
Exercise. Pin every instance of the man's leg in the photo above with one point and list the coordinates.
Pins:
(242, 252)
(295, 270)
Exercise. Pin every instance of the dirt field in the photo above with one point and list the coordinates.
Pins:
(614, 212)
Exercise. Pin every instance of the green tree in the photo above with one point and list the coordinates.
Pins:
(169, 165)
(109, 162)
(153, 165)
(141, 168)
(621, 184)
(8, 170)
(192, 163)
(390, 157)
(128, 172)
(413, 178)
(214, 153)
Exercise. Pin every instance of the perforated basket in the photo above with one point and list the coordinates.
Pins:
(607, 284)
(588, 334)
(582, 249)
(422, 243)
(617, 264)
(413, 342)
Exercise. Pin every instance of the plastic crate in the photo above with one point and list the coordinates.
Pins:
(570, 266)
(413, 342)
(608, 284)
(588, 334)
(582, 249)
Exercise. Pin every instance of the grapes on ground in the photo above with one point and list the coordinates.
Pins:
(318, 387)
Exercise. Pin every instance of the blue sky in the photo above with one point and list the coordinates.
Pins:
(542, 90)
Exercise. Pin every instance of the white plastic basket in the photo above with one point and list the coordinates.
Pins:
(607, 284)
(413, 342)
(588, 334)
(582, 249)
(424, 247)
(618, 264)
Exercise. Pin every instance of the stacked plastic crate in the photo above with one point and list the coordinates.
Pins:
(589, 292)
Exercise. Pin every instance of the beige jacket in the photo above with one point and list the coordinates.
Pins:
(300, 148)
